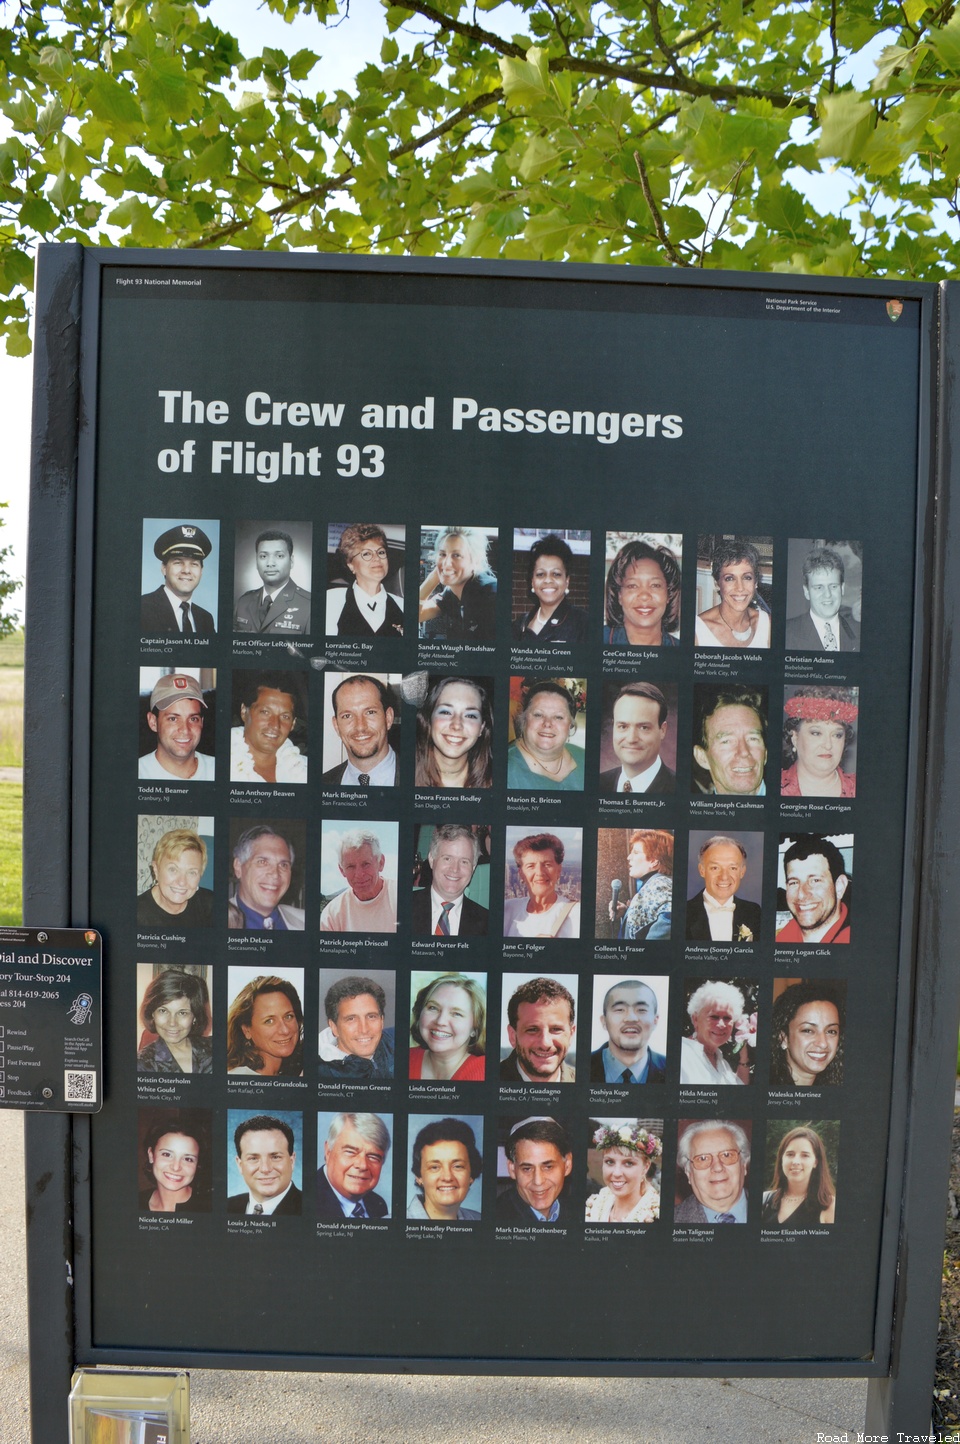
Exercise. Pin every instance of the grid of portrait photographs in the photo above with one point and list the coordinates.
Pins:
(467, 898)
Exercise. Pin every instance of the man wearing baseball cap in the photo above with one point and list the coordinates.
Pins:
(182, 551)
(176, 716)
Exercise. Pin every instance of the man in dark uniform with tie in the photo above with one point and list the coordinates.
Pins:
(182, 552)
(279, 606)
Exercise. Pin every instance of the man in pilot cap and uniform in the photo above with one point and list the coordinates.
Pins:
(182, 552)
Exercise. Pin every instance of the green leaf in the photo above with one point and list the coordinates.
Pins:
(548, 233)
(848, 121)
(946, 43)
(893, 58)
(18, 339)
(913, 9)
(538, 158)
(389, 50)
(112, 102)
(946, 128)
(213, 162)
(525, 82)
(167, 89)
(781, 209)
(54, 65)
(683, 223)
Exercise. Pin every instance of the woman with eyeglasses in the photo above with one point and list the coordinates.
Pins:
(365, 609)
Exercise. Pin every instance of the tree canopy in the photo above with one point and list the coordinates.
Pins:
(645, 131)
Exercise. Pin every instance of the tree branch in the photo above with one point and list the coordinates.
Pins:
(334, 183)
(632, 75)
(658, 225)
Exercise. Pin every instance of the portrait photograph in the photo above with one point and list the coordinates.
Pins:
(175, 869)
(448, 1026)
(269, 742)
(357, 1025)
(724, 886)
(355, 1176)
(734, 591)
(551, 586)
(542, 885)
(634, 883)
(536, 1184)
(272, 572)
(800, 1178)
(718, 1044)
(361, 729)
(265, 874)
(264, 1162)
(623, 1170)
(264, 1022)
(638, 736)
(174, 1160)
(458, 583)
(712, 1172)
(454, 746)
(538, 1028)
(444, 1164)
(358, 876)
(819, 757)
(177, 721)
(179, 577)
(814, 887)
(365, 580)
(628, 1028)
(642, 589)
(451, 879)
(547, 734)
(824, 591)
(174, 1020)
(807, 1028)
(730, 743)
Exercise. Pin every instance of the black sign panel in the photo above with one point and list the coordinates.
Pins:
(50, 1019)
(498, 832)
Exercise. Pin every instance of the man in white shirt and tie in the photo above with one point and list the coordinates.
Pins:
(266, 1159)
(716, 913)
(442, 909)
(639, 729)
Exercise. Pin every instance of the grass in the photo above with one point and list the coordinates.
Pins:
(11, 716)
(11, 861)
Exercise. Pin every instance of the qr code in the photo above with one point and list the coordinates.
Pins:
(80, 1086)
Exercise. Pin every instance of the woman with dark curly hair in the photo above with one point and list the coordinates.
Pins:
(176, 1007)
(554, 618)
(740, 619)
(541, 757)
(365, 609)
(807, 1035)
(265, 1030)
(642, 597)
(803, 1193)
(454, 734)
(817, 730)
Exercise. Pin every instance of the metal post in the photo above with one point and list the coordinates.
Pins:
(903, 1401)
(46, 862)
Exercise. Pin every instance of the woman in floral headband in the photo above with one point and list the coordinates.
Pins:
(630, 1153)
(817, 729)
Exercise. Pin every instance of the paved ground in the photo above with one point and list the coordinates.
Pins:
(258, 1408)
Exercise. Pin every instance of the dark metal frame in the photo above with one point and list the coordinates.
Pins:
(56, 788)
